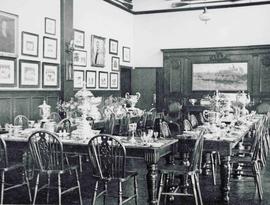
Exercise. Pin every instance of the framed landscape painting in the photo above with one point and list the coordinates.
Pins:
(8, 34)
(220, 76)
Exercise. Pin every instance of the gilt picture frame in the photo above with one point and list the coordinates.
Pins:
(9, 34)
(29, 72)
(79, 58)
(113, 46)
(50, 26)
(79, 38)
(98, 51)
(49, 47)
(50, 73)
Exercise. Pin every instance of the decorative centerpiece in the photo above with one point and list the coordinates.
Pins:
(115, 105)
(244, 100)
(45, 111)
(132, 99)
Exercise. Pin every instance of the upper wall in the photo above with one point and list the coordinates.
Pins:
(238, 26)
(100, 18)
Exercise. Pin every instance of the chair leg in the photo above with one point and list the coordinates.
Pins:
(120, 193)
(48, 189)
(79, 186)
(160, 188)
(198, 188)
(36, 189)
(2, 186)
(59, 188)
(80, 163)
(258, 182)
(194, 189)
(136, 190)
(28, 185)
(213, 168)
(105, 194)
(95, 193)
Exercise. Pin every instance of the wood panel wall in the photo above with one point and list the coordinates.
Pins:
(177, 70)
(25, 103)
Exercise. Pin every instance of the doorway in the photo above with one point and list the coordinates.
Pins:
(125, 80)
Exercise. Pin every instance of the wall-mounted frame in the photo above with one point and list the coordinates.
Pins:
(78, 78)
(97, 51)
(126, 54)
(114, 80)
(29, 72)
(30, 42)
(8, 72)
(113, 46)
(220, 76)
(103, 79)
(91, 77)
(8, 34)
(79, 58)
(50, 73)
(50, 26)
(49, 47)
(79, 38)
(115, 63)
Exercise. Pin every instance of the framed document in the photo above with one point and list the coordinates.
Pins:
(29, 74)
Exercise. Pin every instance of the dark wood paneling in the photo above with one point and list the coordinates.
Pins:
(52, 101)
(178, 69)
(35, 102)
(22, 106)
(5, 110)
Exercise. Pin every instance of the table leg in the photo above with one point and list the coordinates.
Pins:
(225, 170)
(151, 177)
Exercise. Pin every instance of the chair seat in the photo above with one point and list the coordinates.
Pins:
(128, 175)
(67, 168)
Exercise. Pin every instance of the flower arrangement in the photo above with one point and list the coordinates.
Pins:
(116, 105)
(67, 107)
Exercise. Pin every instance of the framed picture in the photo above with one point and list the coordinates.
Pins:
(103, 79)
(8, 34)
(91, 79)
(113, 46)
(50, 26)
(79, 58)
(29, 44)
(114, 80)
(29, 74)
(220, 76)
(50, 47)
(50, 73)
(78, 38)
(8, 72)
(78, 76)
(115, 63)
(97, 51)
(126, 54)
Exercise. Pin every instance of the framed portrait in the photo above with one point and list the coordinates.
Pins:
(113, 46)
(97, 51)
(49, 47)
(29, 44)
(8, 34)
(50, 26)
(91, 79)
(220, 76)
(115, 63)
(50, 73)
(8, 72)
(78, 80)
(78, 38)
(79, 58)
(29, 74)
(103, 79)
(126, 54)
(114, 80)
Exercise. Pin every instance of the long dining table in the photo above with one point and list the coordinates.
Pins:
(222, 140)
(150, 152)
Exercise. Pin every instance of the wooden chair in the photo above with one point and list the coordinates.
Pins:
(124, 123)
(7, 168)
(174, 128)
(48, 158)
(64, 124)
(164, 129)
(21, 120)
(193, 120)
(108, 158)
(187, 125)
(187, 172)
(55, 117)
(249, 164)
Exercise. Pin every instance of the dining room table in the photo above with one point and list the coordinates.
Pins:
(151, 152)
(222, 139)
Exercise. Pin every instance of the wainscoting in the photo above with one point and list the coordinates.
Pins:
(25, 103)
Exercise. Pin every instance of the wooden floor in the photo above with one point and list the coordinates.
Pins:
(242, 191)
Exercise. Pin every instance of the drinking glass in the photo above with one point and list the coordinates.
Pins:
(155, 136)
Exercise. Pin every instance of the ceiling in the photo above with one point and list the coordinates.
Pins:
(155, 6)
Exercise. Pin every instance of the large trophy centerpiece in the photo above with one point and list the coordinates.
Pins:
(45, 111)
(131, 101)
(244, 100)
